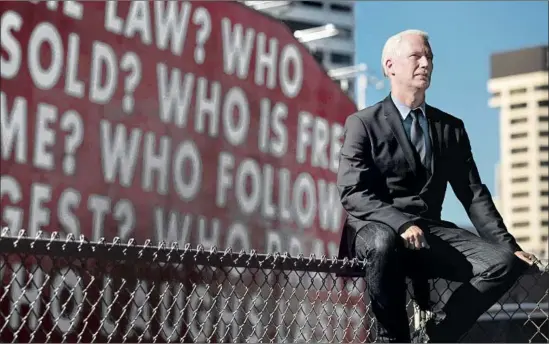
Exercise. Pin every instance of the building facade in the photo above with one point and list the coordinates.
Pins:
(333, 52)
(519, 90)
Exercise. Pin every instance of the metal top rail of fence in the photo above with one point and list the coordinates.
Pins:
(73, 290)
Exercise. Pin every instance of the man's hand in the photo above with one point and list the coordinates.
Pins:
(414, 238)
(529, 258)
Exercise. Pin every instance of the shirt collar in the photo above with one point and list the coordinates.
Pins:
(404, 110)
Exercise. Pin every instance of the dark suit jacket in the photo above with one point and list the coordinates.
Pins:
(381, 178)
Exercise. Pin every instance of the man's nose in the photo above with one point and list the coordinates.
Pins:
(424, 61)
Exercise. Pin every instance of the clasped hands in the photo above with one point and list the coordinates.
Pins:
(414, 239)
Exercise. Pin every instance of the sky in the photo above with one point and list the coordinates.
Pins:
(463, 35)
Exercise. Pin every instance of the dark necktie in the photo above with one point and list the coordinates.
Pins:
(417, 136)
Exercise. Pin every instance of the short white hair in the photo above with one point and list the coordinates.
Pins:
(392, 46)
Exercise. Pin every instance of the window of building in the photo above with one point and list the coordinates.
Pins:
(350, 87)
(541, 88)
(519, 120)
(518, 106)
(543, 118)
(545, 208)
(521, 224)
(316, 4)
(518, 135)
(544, 133)
(544, 178)
(496, 94)
(521, 194)
(318, 54)
(345, 32)
(520, 209)
(519, 150)
(543, 103)
(340, 58)
(519, 165)
(545, 224)
(543, 163)
(519, 180)
(544, 148)
(295, 25)
(544, 193)
(341, 8)
(522, 239)
(518, 91)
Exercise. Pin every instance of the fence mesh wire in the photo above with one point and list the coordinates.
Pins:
(73, 290)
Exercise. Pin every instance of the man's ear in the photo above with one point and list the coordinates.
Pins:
(389, 67)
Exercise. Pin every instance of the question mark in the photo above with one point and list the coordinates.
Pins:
(201, 17)
(124, 213)
(72, 123)
(130, 63)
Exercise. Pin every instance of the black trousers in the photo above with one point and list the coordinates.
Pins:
(487, 271)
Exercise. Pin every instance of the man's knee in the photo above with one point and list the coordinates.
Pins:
(377, 240)
(505, 264)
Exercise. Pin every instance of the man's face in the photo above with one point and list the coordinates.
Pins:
(412, 68)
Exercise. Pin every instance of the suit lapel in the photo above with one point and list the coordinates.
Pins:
(435, 133)
(392, 115)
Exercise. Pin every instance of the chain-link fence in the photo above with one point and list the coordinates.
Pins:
(73, 290)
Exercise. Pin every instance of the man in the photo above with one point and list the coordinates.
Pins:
(397, 158)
